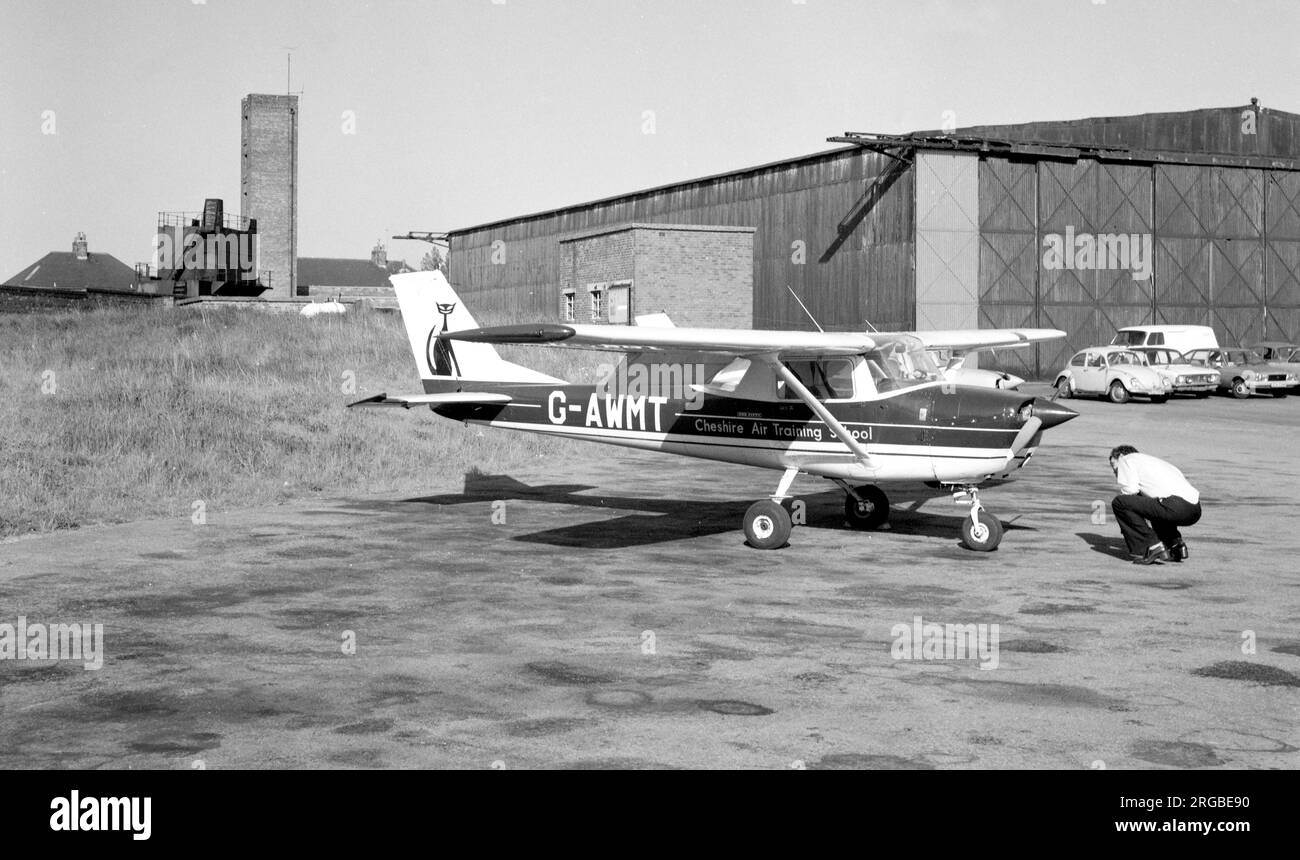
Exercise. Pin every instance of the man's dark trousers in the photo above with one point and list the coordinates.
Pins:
(1165, 515)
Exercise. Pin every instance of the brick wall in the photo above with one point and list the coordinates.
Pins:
(699, 276)
(599, 259)
(269, 183)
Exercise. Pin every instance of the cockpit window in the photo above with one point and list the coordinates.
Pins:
(901, 365)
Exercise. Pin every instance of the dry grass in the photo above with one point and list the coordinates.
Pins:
(151, 411)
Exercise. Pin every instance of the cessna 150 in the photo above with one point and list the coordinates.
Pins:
(848, 407)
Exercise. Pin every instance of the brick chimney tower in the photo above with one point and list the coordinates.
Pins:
(379, 255)
(80, 248)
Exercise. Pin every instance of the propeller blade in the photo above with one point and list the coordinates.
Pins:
(1026, 433)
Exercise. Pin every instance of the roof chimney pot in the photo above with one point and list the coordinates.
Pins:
(80, 248)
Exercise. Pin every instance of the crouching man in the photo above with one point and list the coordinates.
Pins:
(1154, 500)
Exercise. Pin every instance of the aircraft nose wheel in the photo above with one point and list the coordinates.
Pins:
(767, 525)
(980, 530)
(866, 507)
(983, 535)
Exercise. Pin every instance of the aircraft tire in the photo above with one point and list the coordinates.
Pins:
(986, 537)
(872, 515)
(767, 525)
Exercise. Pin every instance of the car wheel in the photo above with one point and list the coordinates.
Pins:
(1117, 392)
(1240, 389)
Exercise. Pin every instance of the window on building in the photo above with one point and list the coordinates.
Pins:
(569, 308)
(597, 302)
(620, 303)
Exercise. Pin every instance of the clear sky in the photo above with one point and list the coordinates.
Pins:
(471, 110)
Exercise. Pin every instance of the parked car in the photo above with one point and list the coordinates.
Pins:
(1244, 372)
(1113, 372)
(954, 370)
(1284, 355)
(1183, 338)
(1187, 378)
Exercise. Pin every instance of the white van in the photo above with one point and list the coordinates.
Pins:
(1183, 338)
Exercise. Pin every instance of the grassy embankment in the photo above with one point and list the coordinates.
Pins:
(118, 415)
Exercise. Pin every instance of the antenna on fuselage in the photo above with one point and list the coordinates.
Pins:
(805, 308)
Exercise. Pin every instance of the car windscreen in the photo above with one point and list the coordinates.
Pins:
(1129, 338)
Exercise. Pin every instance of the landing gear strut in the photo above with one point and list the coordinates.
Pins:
(981, 531)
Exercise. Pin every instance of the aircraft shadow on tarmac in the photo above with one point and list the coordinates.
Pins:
(1106, 544)
(681, 518)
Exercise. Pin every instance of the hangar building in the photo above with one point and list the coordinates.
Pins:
(1083, 225)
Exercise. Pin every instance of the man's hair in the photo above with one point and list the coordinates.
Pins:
(1121, 450)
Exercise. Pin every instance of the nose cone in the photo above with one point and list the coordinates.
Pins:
(1052, 413)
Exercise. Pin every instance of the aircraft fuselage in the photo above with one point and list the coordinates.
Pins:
(931, 432)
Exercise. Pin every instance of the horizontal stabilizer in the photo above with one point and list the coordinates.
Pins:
(406, 401)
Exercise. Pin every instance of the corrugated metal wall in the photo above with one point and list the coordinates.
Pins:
(865, 273)
(1242, 130)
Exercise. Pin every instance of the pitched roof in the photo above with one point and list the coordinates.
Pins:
(336, 272)
(62, 270)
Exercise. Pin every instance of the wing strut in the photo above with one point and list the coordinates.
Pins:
(820, 410)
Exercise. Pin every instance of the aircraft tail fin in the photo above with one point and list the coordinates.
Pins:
(429, 306)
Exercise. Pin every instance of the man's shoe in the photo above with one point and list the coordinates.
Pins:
(1178, 552)
(1154, 555)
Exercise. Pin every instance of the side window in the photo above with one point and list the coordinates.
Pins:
(1094, 360)
(1078, 360)
(1157, 338)
(830, 379)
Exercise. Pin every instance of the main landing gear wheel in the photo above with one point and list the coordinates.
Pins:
(982, 536)
(870, 511)
(767, 525)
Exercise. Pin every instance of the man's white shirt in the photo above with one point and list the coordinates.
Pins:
(1151, 476)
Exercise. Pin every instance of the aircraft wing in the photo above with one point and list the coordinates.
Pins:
(975, 340)
(624, 338)
(741, 342)
(406, 401)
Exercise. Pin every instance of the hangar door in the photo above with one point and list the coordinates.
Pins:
(1008, 259)
(1282, 256)
(1091, 201)
(947, 241)
(1210, 249)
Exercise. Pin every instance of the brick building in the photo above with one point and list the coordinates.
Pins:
(698, 275)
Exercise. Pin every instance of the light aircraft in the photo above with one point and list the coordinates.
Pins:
(848, 407)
